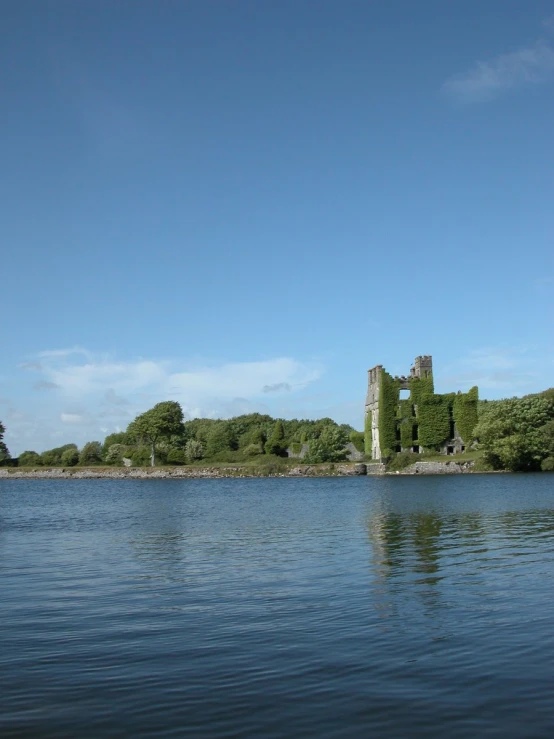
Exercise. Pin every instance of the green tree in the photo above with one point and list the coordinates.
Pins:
(161, 421)
(328, 447)
(114, 454)
(91, 453)
(29, 459)
(514, 433)
(4, 452)
(120, 437)
(194, 450)
(70, 457)
(276, 443)
(176, 456)
(219, 439)
(53, 457)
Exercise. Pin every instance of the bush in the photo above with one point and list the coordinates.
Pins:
(176, 456)
(194, 450)
(252, 450)
(29, 459)
(140, 456)
(70, 457)
(547, 465)
(402, 460)
(91, 453)
(115, 454)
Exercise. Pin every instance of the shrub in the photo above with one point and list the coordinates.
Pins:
(115, 454)
(402, 460)
(252, 450)
(29, 459)
(547, 465)
(176, 456)
(70, 457)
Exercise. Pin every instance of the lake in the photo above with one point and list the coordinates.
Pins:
(337, 607)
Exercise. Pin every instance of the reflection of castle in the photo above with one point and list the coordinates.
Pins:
(423, 420)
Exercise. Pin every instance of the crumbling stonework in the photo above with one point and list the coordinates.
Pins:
(419, 422)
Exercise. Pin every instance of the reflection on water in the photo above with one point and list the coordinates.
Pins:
(306, 608)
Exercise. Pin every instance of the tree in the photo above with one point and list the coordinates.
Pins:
(4, 452)
(515, 434)
(119, 437)
(161, 421)
(276, 443)
(70, 457)
(91, 453)
(29, 459)
(193, 450)
(219, 439)
(53, 457)
(328, 447)
(115, 454)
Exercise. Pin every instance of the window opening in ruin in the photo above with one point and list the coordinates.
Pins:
(463, 448)
(397, 448)
(415, 432)
(450, 450)
(398, 437)
(415, 449)
(404, 393)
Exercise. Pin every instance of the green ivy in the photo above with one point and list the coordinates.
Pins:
(433, 414)
(421, 387)
(389, 392)
(367, 433)
(358, 439)
(465, 413)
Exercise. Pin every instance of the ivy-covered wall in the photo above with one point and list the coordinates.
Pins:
(434, 414)
(368, 440)
(425, 420)
(465, 413)
(389, 395)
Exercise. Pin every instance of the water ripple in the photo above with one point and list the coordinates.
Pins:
(277, 608)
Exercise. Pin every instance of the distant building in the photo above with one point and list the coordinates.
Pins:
(405, 413)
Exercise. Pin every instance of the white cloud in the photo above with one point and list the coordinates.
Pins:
(95, 392)
(116, 381)
(62, 353)
(73, 418)
(527, 66)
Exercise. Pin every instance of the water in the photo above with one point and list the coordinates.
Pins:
(401, 607)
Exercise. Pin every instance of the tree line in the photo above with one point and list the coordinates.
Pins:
(514, 434)
(161, 436)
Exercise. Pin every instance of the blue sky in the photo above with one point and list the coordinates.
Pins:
(244, 205)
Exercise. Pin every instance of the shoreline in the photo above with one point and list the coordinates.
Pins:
(338, 469)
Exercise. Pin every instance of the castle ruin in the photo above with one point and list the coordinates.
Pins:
(405, 413)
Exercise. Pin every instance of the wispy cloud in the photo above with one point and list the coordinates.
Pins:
(30, 366)
(497, 371)
(278, 387)
(528, 66)
(45, 385)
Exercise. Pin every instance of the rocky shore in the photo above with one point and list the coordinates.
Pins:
(301, 470)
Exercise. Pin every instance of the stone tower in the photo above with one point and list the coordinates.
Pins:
(372, 406)
(423, 367)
